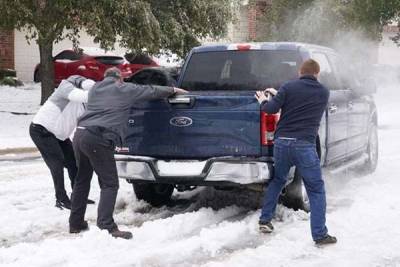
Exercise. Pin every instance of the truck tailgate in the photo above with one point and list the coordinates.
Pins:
(196, 127)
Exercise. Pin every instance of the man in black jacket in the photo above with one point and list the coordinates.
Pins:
(100, 129)
(302, 103)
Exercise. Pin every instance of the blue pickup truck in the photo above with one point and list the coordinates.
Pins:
(217, 136)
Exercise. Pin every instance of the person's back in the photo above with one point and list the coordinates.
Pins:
(59, 114)
(303, 102)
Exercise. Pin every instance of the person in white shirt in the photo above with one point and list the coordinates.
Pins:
(51, 128)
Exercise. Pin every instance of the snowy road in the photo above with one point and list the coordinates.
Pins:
(363, 212)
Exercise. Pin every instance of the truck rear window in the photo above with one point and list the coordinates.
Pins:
(240, 70)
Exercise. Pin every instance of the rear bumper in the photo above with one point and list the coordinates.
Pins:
(214, 171)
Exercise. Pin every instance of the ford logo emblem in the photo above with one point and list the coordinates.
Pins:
(181, 121)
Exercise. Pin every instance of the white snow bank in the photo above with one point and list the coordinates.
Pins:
(14, 130)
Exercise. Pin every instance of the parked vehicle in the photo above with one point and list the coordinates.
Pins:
(155, 75)
(139, 61)
(91, 63)
(217, 136)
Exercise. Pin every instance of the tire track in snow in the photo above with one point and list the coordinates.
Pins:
(29, 196)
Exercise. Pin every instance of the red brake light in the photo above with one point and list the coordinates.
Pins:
(268, 127)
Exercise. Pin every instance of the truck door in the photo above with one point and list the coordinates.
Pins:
(357, 105)
(337, 120)
(358, 123)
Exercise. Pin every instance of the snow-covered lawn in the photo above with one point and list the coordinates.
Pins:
(363, 212)
(14, 130)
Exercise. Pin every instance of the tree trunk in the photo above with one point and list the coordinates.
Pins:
(46, 68)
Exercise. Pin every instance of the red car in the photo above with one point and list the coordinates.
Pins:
(90, 63)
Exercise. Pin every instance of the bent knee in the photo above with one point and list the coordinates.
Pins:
(110, 185)
(279, 180)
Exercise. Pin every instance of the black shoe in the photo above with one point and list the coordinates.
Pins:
(89, 201)
(327, 240)
(265, 227)
(75, 230)
(63, 204)
(115, 232)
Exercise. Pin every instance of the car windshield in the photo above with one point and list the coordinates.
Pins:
(240, 70)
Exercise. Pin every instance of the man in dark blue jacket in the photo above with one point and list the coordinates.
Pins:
(302, 103)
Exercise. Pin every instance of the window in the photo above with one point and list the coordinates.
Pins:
(159, 78)
(327, 76)
(68, 55)
(142, 77)
(152, 76)
(240, 70)
(345, 72)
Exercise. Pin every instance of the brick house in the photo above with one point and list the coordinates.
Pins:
(247, 26)
(389, 52)
(7, 49)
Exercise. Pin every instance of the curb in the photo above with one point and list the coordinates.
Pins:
(19, 154)
(18, 150)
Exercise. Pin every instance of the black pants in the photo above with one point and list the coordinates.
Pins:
(93, 152)
(57, 154)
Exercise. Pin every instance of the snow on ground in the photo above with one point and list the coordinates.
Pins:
(363, 212)
(14, 130)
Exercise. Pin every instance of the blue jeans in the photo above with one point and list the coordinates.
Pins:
(303, 155)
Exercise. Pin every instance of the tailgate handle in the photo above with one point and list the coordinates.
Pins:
(179, 100)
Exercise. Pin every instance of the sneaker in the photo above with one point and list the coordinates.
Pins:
(63, 204)
(120, 234)
(265, 227)
(327, 240)
(76, 230)
(89, 201)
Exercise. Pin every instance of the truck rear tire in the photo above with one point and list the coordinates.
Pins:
(155, 194)
(372, 149)
(295, 196)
